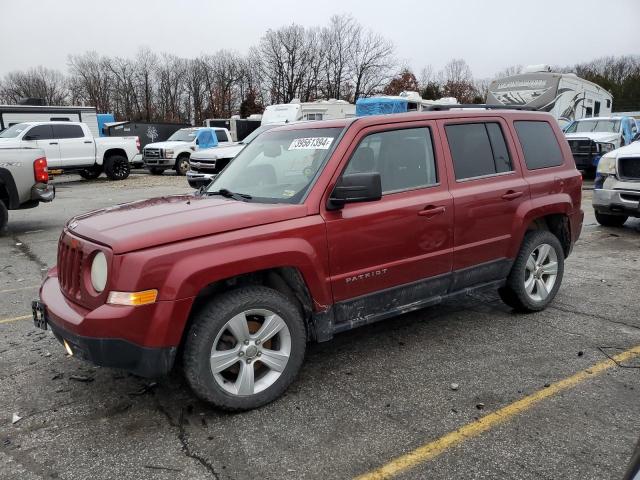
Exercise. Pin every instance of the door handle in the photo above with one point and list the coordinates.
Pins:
(511, 195)
(87, 141)
(431, 211)
(53, 143)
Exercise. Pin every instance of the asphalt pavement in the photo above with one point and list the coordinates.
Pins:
(369, 399)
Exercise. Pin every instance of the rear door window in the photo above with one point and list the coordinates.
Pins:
(478, 150)
(67, 131)
(539, 144)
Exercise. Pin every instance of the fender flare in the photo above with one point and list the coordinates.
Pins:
(6, 180)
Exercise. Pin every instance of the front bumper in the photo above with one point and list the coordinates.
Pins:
(43, 192)
(142, 340)
(159, 162)
(620, 202)
(198, 179)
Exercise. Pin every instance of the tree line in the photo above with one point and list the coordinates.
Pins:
(342, 60)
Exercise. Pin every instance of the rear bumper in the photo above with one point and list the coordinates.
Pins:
(42, 192)
(617, 202)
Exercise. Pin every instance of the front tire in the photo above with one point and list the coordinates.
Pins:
(244, 348)
(91, 173)
(182, 165)
(117, 167)
(536, 274)
(611, 220)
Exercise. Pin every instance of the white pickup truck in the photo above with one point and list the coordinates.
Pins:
(70, 147)
(176, 151)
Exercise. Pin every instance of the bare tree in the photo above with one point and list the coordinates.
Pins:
(170, 74)
(91, 80)
(372, 61)
(509, 71)
(145, 63)
(39, 82)
(458, 81)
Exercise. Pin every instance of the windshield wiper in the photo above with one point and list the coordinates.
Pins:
(241, 197)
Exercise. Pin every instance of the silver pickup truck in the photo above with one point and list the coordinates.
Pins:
(24, 180)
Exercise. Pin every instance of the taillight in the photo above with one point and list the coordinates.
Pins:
(40, 170)
(138, 143)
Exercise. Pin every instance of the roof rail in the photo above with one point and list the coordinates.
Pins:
(476, 105)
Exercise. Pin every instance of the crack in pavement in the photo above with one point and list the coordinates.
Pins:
(24, 248)
(593, 315)
(183, 436)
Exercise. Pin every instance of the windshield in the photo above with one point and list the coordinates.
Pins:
(278, 167)
(184, 135)
(607, 126)
(14, 130)
(249, 138)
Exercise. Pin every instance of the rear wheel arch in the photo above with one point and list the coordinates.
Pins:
(114, 152)
(556, 223)
(8, 191)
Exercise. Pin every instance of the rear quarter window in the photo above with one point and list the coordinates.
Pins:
(539, 144)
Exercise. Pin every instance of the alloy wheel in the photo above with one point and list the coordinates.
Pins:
(541, 272)
(250, 352)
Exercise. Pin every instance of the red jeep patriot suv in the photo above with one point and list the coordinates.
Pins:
(316, 228)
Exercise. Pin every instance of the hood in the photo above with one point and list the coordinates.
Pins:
(217, 152)
(158, 221)
(632, 150)
(167, 145)
(595, 136)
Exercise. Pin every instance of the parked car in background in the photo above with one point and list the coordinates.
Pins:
(313, 229)
(71, 147)
(204, 165)
(24, 180)
(590, 138)
(616, 194)
(177, 150)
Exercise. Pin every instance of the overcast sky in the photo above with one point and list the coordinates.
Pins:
(489, 35)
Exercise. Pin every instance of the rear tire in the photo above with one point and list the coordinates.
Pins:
(536, 274)
(611, 220)
(117, 167)
(156, 170)
(91, 173)
(264, 336)
(182, 165)
(4, 217)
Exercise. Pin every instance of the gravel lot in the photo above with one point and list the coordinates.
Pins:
(361, 400)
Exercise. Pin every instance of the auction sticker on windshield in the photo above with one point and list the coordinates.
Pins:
(311, 143)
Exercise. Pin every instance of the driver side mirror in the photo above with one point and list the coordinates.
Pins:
(30, 138)
(355, 187)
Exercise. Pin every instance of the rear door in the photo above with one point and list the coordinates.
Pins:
(42, 137)
(76, 149)
(487, 185)
(396, 251)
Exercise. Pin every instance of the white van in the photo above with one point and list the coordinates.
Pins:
(565, 95)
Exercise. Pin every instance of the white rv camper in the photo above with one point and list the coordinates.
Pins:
(14, 114)
(565, 95)
(296, 111)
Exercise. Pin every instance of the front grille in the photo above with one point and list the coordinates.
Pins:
(203, 165)
(629, 168)
(151, 153)
(582, 146)
(70, 264)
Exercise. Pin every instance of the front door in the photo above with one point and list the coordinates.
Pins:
(75, 148)
(396, 251)
(41, 136)
(487, 187)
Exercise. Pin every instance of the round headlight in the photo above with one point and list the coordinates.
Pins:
(99, 272)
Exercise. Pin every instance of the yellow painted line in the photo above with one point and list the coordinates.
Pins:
(431, 450)
(33, 287)
(15, 319)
